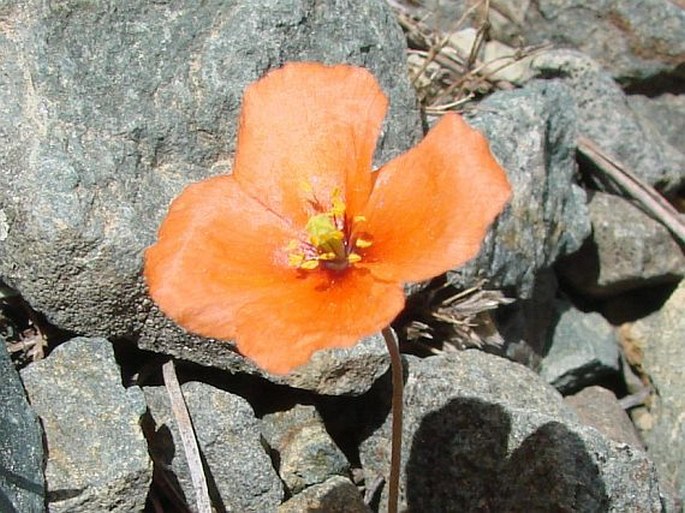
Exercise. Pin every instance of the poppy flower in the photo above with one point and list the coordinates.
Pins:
(304, 246)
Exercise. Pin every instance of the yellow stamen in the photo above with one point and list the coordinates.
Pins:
(353, 258)
(309, 265)
(328, 241)
(295, 259)
(362, 243)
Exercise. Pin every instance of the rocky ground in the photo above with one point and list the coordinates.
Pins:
(553, 383)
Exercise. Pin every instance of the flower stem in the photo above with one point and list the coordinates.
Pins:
(397, 402)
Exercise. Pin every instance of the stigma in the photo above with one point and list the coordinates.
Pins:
(330, 240)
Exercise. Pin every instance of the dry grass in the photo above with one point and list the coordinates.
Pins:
(446, 74)
(441, 318)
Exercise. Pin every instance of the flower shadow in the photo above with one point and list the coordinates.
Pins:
(460, 462)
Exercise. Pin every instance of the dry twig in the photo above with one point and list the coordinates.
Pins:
(445, 77)
(629, 184)
(190, 446)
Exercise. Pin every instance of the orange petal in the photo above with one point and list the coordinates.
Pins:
(307, 129)
(284, 324)
(430, 208)
(215, 245)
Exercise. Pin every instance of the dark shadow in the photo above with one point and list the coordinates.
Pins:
(165, 486)
(636, 304)
(666, 82)
(18, 481)
(580, 269)
(456, 458)
(162, 450)
(459, 462)
(551, 471)
(351, 420)
(6, 504)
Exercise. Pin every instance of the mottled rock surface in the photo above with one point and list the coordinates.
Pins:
(628, 250)
(238, 468)
(108, 111)
(664, 114)
(307, 455)
(22, 484)
(604, 115)
(661, 337)
(481, 432)
(633, 39)
(532, 134)
(598, 407)
(583, 349)
(336, 495)
(97, 455)
(341, 371)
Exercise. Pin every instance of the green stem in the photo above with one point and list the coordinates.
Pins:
(397, 402)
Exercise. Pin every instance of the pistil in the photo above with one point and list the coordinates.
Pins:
(329, 241)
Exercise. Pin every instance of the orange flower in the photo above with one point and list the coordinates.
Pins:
(304, 247)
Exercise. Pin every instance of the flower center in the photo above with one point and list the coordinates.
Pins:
(329, 240)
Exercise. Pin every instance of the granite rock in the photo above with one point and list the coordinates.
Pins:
(598, 407)
(22, 483)
(238, 469)
(660, 336)
(97, 455)
(532, 134)
(485, 434)
(604, 115)
(664, 114)
(634, 40)
(628, 250)
(307, 454)
(108, 111)
(582, 350)
(341, 371)
(336, 495)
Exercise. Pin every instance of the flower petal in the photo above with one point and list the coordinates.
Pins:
(308, 129)
(215, 245)
(219, 269)
(281, 327)
(431, 207)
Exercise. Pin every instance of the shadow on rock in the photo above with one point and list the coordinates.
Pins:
(459, 462)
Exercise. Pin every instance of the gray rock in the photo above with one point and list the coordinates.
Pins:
(605, 116)
(633, 39)
(238, 469)
(628, 250)
(598, 407)
(22, 484)
(336, 495)
(664, 114)
(307, 454)
(97, 455)
(582, 350)
(485, 434)
(563, 468)
(342, 371)
(526, 326)
(532, 134)
(661, 337)
(108, 111)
